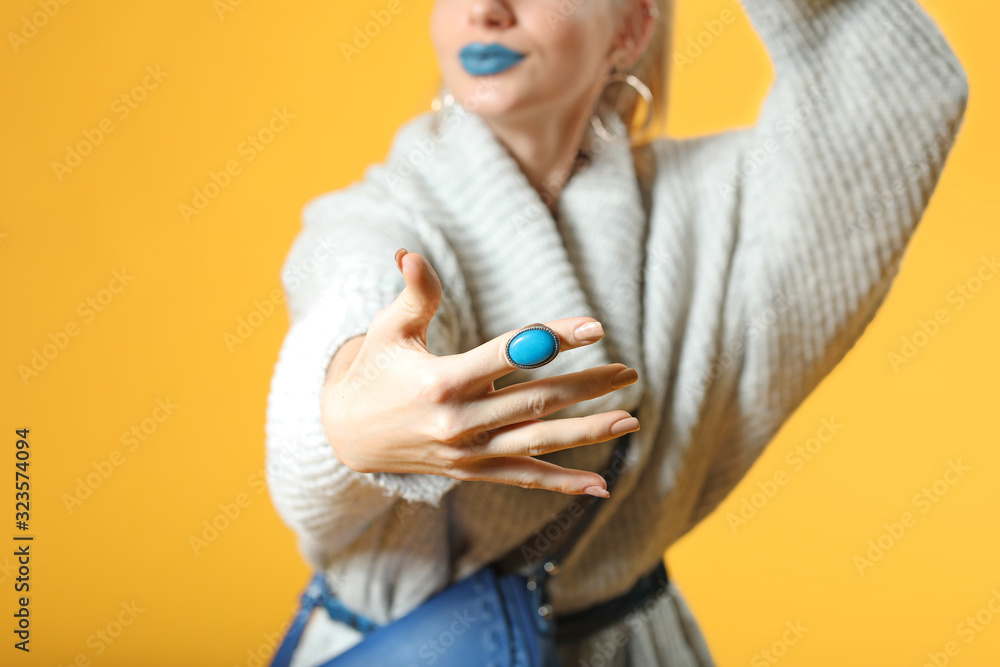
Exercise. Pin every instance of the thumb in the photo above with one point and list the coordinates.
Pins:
(411, 312)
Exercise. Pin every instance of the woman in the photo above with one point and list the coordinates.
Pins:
(731, 273)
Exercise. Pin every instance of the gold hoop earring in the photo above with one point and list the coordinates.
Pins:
(618, 76)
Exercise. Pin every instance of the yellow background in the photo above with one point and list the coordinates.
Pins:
(162, 337)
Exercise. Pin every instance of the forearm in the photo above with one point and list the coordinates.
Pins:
(865, 58)
(327, 504)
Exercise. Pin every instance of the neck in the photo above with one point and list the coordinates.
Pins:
(545, 146)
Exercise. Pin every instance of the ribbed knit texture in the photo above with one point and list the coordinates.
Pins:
(766, 253)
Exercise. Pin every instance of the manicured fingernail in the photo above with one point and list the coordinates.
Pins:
(624, 425)
(597, 491)
(589, 332)
(399, 258)
(624, 378)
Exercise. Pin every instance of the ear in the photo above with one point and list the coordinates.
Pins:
(635, 29)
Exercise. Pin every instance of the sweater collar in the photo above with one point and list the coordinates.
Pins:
(587, 260)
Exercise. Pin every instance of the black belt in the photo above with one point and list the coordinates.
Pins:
(579, 624)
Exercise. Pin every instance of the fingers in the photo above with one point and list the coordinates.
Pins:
(541, 397)
(487, 362)
(536, 437)
(530, 473)
(410, 314)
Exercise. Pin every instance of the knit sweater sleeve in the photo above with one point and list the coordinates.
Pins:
(338, 274)
(830, 185)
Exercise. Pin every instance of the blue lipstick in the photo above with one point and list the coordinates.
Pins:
(481, 59)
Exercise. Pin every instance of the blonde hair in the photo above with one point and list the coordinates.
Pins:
(652, 68)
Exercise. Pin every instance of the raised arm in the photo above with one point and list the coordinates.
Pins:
(832, 181)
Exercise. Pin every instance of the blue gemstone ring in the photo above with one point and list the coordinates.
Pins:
(533, 346)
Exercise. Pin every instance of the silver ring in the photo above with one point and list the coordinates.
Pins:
(535, 349)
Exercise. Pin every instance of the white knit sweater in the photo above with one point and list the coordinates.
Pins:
(766, 253)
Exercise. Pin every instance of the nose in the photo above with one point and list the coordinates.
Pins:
(491, 14)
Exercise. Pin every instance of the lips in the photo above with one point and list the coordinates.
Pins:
(482, 59)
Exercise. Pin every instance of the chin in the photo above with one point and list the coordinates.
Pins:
(489, 96)
(491, 108)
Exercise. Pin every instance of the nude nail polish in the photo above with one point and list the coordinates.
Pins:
(624, 378)
(589, 332)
